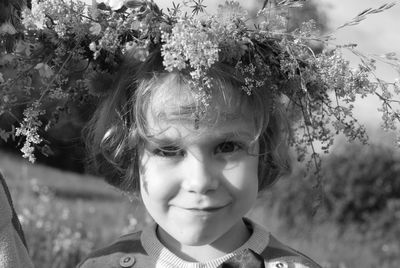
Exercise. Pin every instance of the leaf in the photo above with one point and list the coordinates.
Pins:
(44, 70)
(20, 47)
(5, 59)
(265, 4)
(46, 150)
(113, 4)
(362, 16)
(175, 9)
(103, 6)
(95, 29)
(364, 12)
(385, 7)
(4, 135)
(1, 78)
(23, 47)
(198, 7)
(390, 56)
(7, 28)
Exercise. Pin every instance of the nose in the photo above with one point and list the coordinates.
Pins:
(199, 175)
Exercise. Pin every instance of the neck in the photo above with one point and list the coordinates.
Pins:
(228, 242)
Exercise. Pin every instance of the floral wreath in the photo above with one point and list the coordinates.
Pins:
(55, 35)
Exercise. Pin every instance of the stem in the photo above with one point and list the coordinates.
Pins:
(59, 71)
(54, 78)
(22, 74)
(311, 144)
(381, 85)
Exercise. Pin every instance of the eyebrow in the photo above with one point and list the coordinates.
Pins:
(162, 141)
(167, 141)
(240, 133)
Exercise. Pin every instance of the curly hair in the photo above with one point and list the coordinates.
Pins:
(118, 127)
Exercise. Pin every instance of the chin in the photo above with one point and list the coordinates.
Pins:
(197, 239)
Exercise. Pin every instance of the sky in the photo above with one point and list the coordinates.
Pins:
(378, 34)
(375, 35)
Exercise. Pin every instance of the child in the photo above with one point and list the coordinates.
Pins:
(198, 158)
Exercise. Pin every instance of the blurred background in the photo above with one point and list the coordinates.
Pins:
(353, 221)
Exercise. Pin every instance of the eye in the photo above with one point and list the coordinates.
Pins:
(228, 147)
(168, 151)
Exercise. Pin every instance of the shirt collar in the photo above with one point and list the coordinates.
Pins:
(257, 242)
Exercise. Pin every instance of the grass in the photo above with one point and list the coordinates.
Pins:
(66, 215)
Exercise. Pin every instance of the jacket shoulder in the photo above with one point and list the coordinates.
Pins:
(279, 255)
(127, 251)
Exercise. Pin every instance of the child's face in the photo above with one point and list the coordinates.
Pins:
(198, 184)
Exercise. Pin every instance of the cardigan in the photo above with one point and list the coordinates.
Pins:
(144, 250)
(13, 249)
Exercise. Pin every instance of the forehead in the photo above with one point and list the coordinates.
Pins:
(171, 115)
(172, 99)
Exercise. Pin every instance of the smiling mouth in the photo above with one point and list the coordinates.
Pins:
(207, 209)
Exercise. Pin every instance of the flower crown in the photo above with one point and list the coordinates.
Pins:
(66, 41)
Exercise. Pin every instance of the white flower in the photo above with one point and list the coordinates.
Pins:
(34, 17)
(93, 47)
(29, 128)
(114, 4)
(58, 94)
(190, 43)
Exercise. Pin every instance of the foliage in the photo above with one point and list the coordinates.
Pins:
(68, 44)
(360, 197)
(57, 241)
(59, 233)
(363, 182)
(361, 186)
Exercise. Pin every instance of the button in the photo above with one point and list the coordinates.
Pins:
(127, 261)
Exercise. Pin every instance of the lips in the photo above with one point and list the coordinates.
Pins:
(206, 208)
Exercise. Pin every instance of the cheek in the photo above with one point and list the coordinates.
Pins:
(156, 181)
(243, 178)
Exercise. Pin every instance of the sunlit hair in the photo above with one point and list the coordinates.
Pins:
(118, 128)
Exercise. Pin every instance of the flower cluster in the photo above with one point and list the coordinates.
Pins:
(68, 42)
(199, 44)
(189, 43)
(29, 129)
(63, 16)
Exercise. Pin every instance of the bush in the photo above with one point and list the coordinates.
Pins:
(361, 185)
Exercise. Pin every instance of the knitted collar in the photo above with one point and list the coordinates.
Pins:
(257, 242)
